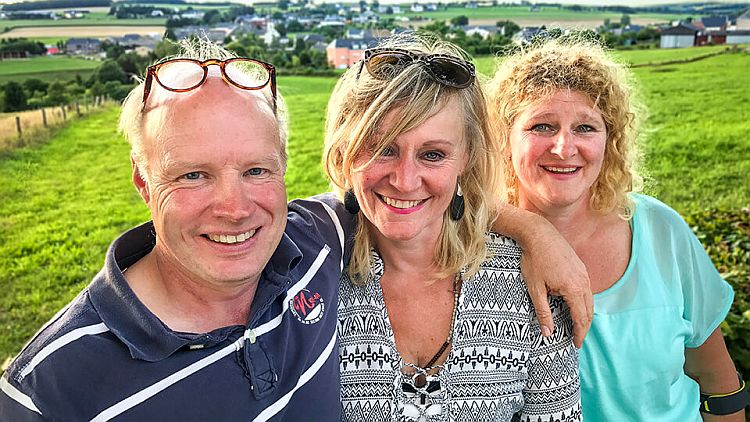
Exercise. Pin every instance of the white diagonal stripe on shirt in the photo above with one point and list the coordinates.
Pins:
(155, 388)
(279, 404)
(159, 386)
(339, 230)
(314, 267)
(61, 342)
(18, 396)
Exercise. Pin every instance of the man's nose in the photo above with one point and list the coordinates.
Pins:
(232, 199)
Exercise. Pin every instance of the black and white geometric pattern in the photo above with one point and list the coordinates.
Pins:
(500, 368)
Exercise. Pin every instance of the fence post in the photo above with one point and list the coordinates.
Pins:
(65, 115)
(18, 125)
(44, 117)
(78, 109)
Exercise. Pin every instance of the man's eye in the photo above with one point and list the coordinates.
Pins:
(256, 171)
(193, 175)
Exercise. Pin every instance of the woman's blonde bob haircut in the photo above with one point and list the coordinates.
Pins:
(575, 63)
(356, 111)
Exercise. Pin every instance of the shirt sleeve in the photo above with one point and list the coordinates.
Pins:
(553, 390)
(15, 404)
(707, 297)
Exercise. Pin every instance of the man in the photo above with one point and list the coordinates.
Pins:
(219, 309)
(223, 307)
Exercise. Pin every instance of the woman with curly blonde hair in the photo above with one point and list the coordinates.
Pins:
(569, 121)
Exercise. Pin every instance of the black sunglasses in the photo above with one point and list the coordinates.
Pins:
(386, 63)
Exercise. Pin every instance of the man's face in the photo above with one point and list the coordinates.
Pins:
(214, 183)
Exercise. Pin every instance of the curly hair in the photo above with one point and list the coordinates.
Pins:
(356, 111)
(536, 72)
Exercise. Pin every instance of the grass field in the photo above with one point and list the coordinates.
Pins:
(546, 15)
(47, 68)
(97, 18)
(69, 197)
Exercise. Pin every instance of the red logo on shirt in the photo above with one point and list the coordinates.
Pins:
(307, 307)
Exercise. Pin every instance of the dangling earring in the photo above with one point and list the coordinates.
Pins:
(457, 204)
(350, 202)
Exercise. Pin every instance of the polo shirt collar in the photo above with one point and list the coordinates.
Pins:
(136, 326)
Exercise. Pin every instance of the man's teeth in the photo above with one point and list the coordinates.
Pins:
(228, 238)
(561, 169)
(395, 203)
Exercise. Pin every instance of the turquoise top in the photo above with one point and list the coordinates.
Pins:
(671, 297)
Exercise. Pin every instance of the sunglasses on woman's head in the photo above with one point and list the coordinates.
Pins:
(386, 63)
(183, 75)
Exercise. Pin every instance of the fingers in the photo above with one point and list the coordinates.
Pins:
(582, 312)
(543, 312)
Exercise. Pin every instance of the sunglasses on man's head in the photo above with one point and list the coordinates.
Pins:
(182, 75)
(386, 63)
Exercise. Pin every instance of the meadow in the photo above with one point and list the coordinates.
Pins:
(545, 15)
(90, 19)
(69, 197)
(46, 68)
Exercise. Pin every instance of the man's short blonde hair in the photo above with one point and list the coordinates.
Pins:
(131, 123)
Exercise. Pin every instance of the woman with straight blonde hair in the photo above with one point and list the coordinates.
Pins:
(435, 320)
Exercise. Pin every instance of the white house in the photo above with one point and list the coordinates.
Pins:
(681, 35)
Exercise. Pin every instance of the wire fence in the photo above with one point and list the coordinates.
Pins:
(21, 128)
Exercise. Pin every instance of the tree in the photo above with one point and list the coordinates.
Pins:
(15, 98)
(56, 94)
(437, 27)
(109, 71)
(508, 27)
(34, 85)
(625, 20)
(459, 20)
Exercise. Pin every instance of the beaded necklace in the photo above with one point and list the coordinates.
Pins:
(419, 383)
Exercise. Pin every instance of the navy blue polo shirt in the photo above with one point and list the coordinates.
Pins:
(105, 356)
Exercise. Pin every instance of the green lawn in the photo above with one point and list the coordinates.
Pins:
(66, 199)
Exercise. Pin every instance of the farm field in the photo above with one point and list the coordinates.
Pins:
(95, 31)
(47, 68)
(96, 18)
(547, 15)
(71, 196)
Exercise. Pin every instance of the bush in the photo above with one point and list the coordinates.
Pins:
(726, 237)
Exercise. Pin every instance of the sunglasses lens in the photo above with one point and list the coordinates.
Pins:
(247, 73)
(387, 65)
(180, 74)
(450, 73)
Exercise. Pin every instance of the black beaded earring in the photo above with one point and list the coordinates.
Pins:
(457, 204)
(350, 202)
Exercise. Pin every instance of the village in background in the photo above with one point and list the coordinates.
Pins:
(53, 52)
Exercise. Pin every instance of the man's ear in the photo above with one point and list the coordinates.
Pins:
(139, 181)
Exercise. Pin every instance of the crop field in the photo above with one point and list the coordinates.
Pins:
(69, 197)
(547, 15)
